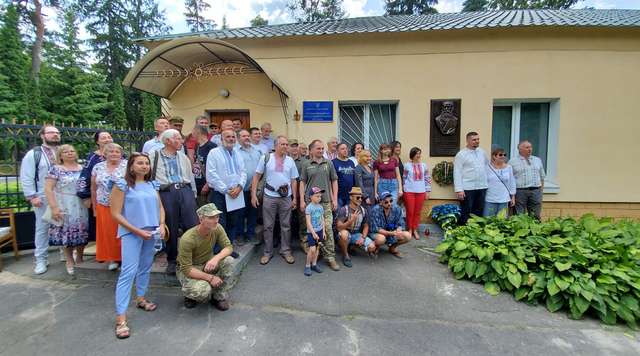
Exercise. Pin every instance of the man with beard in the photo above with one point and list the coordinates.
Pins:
(33, 171)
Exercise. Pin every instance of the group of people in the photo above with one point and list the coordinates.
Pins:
(199, 195)
(488, 186)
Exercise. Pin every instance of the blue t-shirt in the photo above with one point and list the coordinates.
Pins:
(317, 215)
(346, 178)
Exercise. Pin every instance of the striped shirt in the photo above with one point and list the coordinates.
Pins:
(528, 173)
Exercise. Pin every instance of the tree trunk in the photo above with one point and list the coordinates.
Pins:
(36, 52)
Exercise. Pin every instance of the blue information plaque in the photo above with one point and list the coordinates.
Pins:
(317, 111)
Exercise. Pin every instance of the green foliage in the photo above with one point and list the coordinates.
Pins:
(316, 10)
(194, 15)
(474, 5)
(118, 117)
(531, 4)
(410, 7)
(586, 266)
(14, 67)
(259, 21)
(150, 110)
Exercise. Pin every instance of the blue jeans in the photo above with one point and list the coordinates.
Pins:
(137, 258)
(249, 218)
(388, 185)
(492, 209)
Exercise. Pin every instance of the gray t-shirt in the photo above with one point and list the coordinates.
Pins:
(345, 213)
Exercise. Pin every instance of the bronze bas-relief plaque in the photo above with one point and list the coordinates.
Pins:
(444, 127)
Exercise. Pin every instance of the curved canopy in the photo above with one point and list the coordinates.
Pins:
(165, 68)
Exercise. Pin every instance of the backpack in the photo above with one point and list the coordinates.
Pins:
(37, 156)
(263, 180)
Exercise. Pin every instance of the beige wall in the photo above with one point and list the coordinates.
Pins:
(594, 74)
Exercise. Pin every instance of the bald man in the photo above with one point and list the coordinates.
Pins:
(224, 125)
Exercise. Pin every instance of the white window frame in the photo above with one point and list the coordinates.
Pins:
(366, 105)
(550, 183)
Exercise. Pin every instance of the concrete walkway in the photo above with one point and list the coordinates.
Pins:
(409, 306)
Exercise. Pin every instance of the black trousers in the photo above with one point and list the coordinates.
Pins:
(179, 214)
(473, 203)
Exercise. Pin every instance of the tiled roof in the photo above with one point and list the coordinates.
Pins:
(443, 21)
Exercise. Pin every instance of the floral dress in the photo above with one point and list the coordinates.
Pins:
(73, 231)
(106, 179)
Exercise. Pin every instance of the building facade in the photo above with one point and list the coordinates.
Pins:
(567, 80)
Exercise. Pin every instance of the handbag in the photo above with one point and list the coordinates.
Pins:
(48, 217)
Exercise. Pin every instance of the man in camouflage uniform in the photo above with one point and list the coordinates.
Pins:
(320, 172)
(203, 275)
(298, 219)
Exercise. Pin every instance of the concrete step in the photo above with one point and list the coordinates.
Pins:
(94, 271)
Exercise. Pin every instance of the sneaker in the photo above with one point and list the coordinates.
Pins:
(234, 254)
(307, 271)
(189, 303)
(316, 268)
(41, 267)
(221, 305)
(113, 266)
(171, 268)
(333, 265)
(347, 262)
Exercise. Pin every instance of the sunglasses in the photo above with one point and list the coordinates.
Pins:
(387, 201)
(357, 197)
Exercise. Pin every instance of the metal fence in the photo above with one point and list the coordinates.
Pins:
(16, 139)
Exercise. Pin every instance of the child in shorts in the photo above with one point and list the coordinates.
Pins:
(314, 214)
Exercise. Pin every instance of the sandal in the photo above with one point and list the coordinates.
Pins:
(122, 330)
(146, 305)
(395, 253)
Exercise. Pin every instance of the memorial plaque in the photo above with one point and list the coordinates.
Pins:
(444, 128)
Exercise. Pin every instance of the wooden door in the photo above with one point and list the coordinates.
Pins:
(219, 116)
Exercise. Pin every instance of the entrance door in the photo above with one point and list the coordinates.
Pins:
(218, 116)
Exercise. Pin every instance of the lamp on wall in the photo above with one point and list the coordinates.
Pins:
(296, 116)
(224, 93)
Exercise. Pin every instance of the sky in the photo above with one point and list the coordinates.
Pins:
(240, 12)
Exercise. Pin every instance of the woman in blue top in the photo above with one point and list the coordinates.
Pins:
(136, 206)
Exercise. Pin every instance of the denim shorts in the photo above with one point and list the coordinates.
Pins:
(311, 241)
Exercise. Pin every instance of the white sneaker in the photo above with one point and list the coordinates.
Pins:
(113, 266)
(41, 267)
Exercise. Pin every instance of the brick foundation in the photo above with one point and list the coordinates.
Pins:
(555, 209)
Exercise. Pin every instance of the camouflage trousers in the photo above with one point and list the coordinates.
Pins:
(328, 248)
(200, 290)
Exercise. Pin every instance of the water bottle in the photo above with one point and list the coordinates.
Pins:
(158, 241)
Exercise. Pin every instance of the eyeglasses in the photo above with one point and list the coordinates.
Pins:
(501, 154)
(357, 197)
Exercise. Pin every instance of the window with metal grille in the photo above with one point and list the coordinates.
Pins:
(371, 124)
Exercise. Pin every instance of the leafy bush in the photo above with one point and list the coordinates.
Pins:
(446, 216)
(589, 265)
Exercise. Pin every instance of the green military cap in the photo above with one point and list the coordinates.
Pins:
(293, 142)
(208, 210)
(176, 120)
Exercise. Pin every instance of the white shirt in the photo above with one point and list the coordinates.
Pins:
(152, 145)
(261, 147)
(225, 170)
(469, 170)
(502, 184)
(277, 179)
(416, 178)
(528, 174)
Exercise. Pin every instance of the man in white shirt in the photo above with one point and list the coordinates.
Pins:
(331, 152)
(266, 136)
(217, 139)
(161, 124)
(33, 172)
(470, 177)
(529, 173)
(250, 157)
(226, 177)
(256, 142)
(280, 195)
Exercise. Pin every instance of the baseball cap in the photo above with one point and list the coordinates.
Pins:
(315, 190)
(208, 210)
(385, 195)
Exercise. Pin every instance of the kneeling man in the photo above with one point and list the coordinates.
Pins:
(202, 274)
(387, 225)
(352, 226)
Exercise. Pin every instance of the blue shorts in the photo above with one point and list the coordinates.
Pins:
(311, 241)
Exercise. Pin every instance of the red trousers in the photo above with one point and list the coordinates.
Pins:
(413, 203)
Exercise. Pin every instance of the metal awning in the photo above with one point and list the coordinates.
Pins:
(165, 68)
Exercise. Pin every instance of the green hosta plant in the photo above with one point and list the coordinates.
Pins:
(583, 266)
